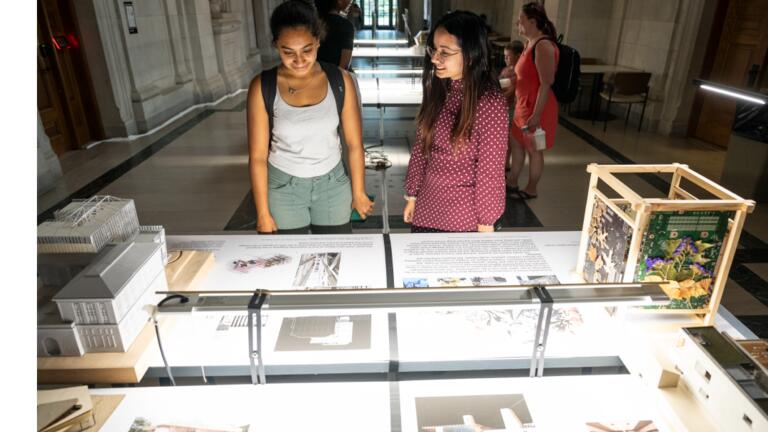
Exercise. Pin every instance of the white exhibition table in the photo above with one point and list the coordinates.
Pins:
(384, 92)
(423, 339)
(383, 42)
(414, 52)
(541, 404)
(414, 55)
(390, 92)
(362, 341)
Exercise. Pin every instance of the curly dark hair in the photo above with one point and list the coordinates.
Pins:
(295, 13)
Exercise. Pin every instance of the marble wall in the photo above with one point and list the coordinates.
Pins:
(667, 39)
(656, 36)
(587, 27)
(184, 52)
(500, 13)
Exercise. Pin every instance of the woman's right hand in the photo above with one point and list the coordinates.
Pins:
(266, 225)
(408, 211)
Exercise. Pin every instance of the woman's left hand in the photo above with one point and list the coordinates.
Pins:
(533, 123)
(363, 205)
(485, 228)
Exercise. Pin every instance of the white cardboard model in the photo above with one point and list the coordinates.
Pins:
(105, 291)
(156, 234)
(57, 269)
(105, 307)
(57, 338)
(119, 337)
(88, 225)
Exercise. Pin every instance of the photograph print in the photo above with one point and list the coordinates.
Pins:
(318, 270)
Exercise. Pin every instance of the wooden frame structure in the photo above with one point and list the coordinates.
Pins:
(636, 212)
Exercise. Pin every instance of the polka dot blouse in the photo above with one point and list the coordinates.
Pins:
(458, 192)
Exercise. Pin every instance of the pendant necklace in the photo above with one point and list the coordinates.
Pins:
(293, 90)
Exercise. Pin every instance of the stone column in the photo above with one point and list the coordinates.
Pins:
(176, 28)
(261, 23)
(104, 46)
(687, 51)
(243, 9)
(252, 43)
(48, 166)
(209, 84)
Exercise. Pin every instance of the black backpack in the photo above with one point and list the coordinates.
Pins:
(566, 85)
(269, 90)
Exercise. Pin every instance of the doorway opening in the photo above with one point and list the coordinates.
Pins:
(65, 99)
(380, 14)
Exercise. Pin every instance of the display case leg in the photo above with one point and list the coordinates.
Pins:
(385, 204)
(542, 331)
(258, 376)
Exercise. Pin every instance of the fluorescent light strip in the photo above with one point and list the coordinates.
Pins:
(733, 94)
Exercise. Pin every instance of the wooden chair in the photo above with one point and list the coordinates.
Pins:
(626, 88)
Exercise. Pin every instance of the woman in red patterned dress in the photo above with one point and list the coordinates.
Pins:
(455, 179)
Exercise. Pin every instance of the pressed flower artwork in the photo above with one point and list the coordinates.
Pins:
(683, 249)
(609, 238)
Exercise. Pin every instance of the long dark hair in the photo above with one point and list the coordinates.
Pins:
(325, 7)
(295, 13)
(476, 78)
(535, 11)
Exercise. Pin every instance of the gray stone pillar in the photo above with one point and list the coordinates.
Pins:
(48, 166)
(209, 84)
(177, 28)
(104, 47)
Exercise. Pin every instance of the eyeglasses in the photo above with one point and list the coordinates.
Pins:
(441, 54)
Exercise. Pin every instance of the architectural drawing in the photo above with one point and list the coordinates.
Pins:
(245, 265)
(504, 412)
(323, 333)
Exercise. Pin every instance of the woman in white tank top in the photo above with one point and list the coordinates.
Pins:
(298, 179)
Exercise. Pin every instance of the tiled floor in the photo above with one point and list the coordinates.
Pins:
(192, 177)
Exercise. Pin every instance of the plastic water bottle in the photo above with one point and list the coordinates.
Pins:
(540, 139)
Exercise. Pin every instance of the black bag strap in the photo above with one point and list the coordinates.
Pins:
(533, 48)
(336, 79)
(268, 93)
(269, 90)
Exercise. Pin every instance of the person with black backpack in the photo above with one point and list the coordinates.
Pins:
(535, 120)
(295, 111)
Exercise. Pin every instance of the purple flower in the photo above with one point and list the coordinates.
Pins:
(686, 245)
(701, 269)
(651, 263)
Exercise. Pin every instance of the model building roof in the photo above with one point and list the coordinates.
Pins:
(106, 277)
(88, 224)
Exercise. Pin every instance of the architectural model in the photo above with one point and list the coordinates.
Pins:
(155, 234)
(106, 302)
(88, 225)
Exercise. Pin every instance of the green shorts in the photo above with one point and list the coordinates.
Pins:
(297, 202)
